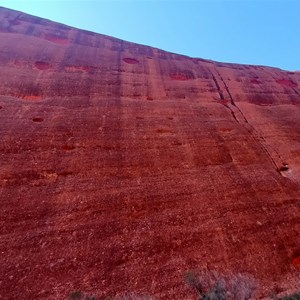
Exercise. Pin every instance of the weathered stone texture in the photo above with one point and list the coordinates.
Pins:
(124, 166)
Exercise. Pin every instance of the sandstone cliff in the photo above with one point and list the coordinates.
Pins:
(125, 166)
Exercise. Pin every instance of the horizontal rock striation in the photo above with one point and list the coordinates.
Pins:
(124, 166)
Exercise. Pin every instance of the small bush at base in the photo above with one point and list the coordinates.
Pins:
(291, 297)
(215, 286)
(78, 295)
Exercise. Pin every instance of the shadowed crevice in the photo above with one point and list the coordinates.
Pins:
(235, 110)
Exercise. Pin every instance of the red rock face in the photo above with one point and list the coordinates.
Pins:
(123, 167)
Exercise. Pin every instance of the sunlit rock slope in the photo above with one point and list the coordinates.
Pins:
(124, 166)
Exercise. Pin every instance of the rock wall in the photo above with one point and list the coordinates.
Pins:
(124, 166)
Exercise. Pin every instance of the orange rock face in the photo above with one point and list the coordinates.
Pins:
(123, 167)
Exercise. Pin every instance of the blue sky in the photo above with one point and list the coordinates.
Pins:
(263, 32)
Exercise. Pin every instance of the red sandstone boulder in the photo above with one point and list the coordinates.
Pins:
(124, 166)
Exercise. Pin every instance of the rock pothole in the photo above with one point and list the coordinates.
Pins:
(42, 65)
(255, 81)
(296, 261)
(68, 147)
(130, 60)
(284, 168)
(38, 120)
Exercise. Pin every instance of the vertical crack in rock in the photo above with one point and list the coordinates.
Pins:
(297, 92)
(280, 166)
(217, 86)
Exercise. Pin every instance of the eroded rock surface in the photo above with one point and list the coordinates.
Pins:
(123, 166)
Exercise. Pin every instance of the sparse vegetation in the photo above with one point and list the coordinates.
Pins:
(76, 295)
(215, 286)
(295, 296)
(209, 285)
(79, 295)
